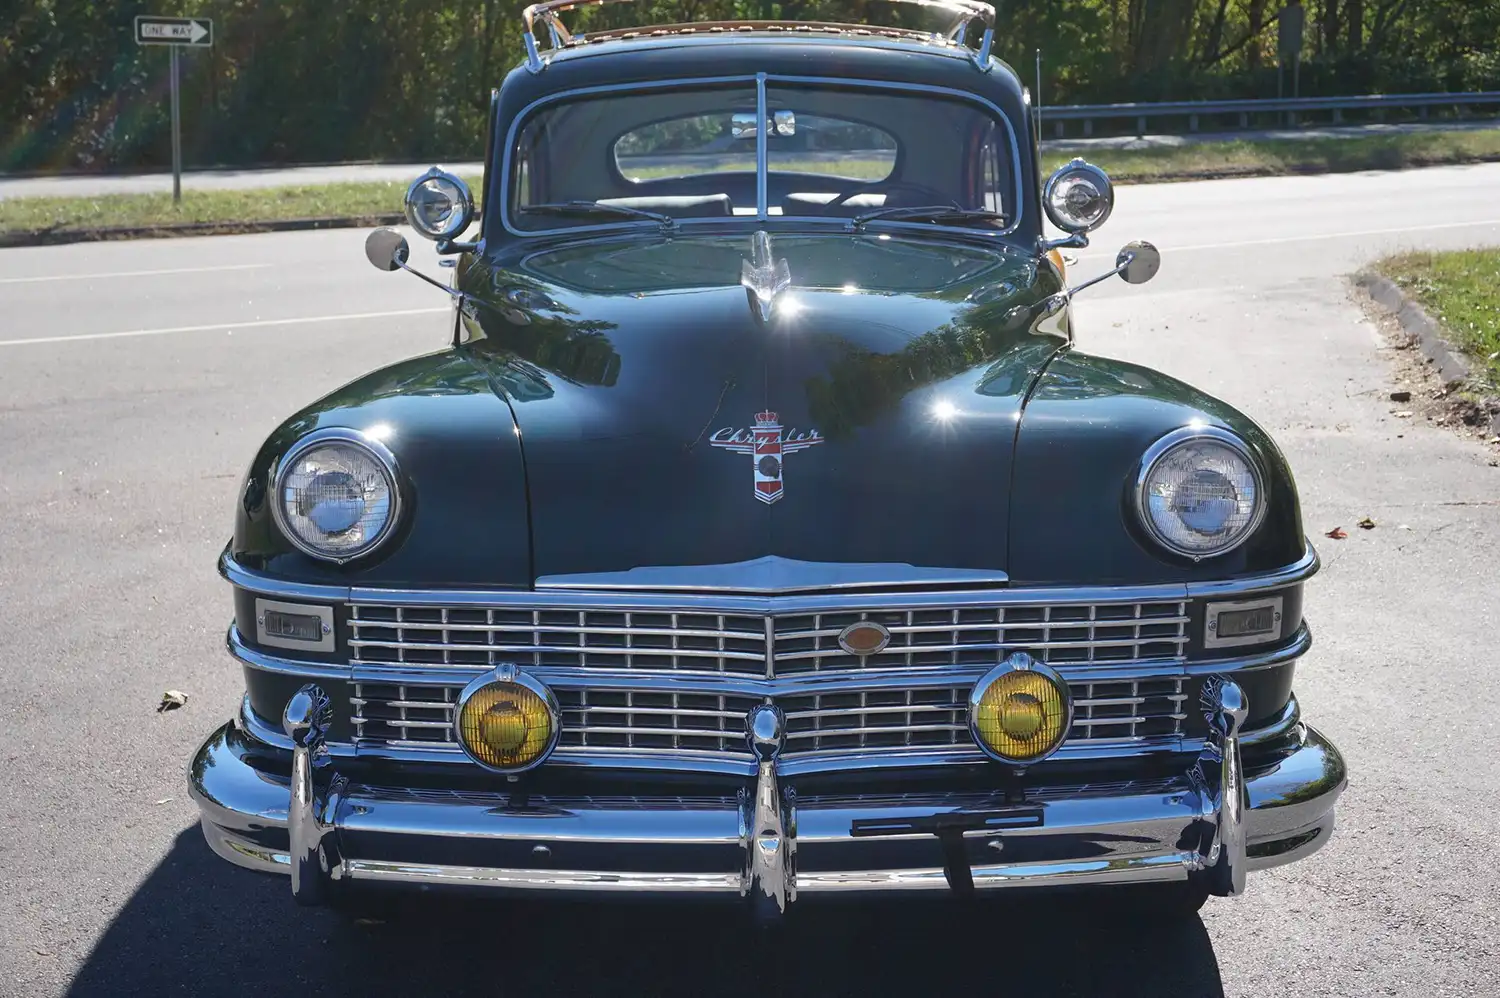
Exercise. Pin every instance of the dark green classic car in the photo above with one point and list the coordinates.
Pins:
(761, 534)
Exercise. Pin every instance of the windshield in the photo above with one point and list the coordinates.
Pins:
(830, 152)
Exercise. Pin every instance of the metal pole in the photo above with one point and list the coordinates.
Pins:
(1038, 97)
(176, 132)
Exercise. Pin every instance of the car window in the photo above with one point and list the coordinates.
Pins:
(690, 153)
(683, 147)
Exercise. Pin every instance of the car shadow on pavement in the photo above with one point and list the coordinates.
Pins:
(200, 926)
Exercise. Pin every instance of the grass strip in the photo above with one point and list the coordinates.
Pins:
(265, 204)
(1201, 160)
(1461, 290)
(1282, 156)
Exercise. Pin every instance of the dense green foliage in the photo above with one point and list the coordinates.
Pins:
(309, 80)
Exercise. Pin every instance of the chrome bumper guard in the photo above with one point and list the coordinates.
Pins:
(1213, 823)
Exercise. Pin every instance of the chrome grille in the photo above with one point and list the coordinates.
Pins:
(1056, 634)
(403, 715)
(486, 636)
(872, 719)
(736, 644)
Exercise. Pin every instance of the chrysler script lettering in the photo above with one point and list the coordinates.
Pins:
(767, 443)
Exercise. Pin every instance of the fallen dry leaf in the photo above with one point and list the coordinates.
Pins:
(1402, 396)
(166, 800)
(1402, 414)
(1337, 533)
(171, 700)
(1367, 524)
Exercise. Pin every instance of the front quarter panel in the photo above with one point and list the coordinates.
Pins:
(459, 461)
(1078, 452)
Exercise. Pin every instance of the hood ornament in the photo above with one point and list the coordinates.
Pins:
(763, 276)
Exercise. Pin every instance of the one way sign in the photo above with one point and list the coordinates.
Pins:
(194, 31)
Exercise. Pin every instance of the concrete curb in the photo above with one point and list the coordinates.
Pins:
(1451, 364)
(54, 237)
(1449, 361)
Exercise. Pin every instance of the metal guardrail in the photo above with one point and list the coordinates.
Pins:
(1287, 106)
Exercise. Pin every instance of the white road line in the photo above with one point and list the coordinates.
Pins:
(259, 324)
(1315, 235)
(134, 273)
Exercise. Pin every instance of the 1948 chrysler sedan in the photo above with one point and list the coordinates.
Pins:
(761, 534)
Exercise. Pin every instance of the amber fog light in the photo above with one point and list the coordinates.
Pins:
(1020, 711)
(506, 720)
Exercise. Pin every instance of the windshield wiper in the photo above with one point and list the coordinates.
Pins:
(599, 208)
(938, 213)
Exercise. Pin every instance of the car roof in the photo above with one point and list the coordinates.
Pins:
(669, 53)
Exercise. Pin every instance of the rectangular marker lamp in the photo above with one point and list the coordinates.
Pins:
(294, 625)
(1247, 622)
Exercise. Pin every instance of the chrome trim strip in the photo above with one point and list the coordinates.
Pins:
(234, 643)
(1299, 571)
(477, 876)
(1133, 869)
(762, 152)
(775, 576)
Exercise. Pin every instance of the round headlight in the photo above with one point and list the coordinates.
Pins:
(1020, 711)
(507, 721)
(1078, 197)
(439, 205)
(1200, 493)
(336, 495)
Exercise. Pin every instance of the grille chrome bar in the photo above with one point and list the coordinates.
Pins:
(1107, 634)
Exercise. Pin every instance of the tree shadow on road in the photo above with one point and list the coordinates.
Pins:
(200, 926)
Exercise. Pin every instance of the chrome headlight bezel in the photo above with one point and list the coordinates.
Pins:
(1078, 169)
(343, 437)
(460, 216)
(1184, 436)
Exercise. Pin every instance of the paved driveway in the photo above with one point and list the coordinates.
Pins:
(136, 380)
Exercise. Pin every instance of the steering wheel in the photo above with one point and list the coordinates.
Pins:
(880, 187)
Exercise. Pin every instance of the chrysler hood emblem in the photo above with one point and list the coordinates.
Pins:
(767, 444)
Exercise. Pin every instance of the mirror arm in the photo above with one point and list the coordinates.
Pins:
(1120, 269)
(1074, 240)
(451, 292)
(446, 247)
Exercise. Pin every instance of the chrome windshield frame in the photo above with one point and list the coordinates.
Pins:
(506, 181)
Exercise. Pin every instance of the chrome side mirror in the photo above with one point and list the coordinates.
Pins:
(1078, 197)
(386, 249)
(439, 205)
(1138, 262)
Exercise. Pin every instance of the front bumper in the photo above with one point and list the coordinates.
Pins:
(1213, 822)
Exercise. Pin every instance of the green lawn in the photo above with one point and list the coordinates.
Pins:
(1274, 156)
(1462, 291)
(229, 207)
(1209, 159)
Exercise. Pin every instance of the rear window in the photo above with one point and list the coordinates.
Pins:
(708, 143)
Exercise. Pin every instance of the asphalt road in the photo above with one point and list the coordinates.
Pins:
(136, 380)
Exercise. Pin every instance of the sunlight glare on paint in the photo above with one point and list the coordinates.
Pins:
(943, 410)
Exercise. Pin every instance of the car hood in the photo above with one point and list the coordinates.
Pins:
(862, 432)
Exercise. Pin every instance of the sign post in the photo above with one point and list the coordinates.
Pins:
(175, 32)
(1289, 47)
